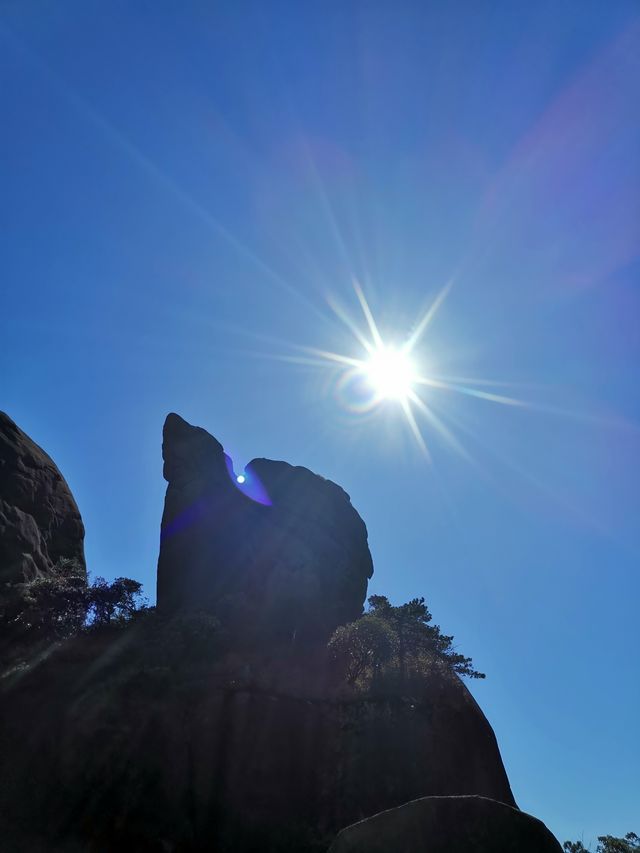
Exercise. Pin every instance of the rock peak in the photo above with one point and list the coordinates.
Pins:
(295, 562)
(187, 450)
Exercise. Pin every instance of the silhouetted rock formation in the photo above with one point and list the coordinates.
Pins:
(155, 736)
(286, 553)
(448, 825)
(39, 519)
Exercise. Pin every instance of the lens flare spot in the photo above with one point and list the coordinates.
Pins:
(241, 478)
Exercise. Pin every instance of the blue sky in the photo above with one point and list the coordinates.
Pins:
(188, 189)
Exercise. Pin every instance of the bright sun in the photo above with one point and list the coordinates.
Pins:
(390, 372)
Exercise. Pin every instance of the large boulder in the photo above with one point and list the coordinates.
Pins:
(448, 825)
(284, 551)
(39, 519)
(124, 749)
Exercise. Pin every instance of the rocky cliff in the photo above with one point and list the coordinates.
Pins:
(39, 519)
(166, 734)
(127, 745)
(284, 552)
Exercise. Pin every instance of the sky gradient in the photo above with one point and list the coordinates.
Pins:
(188, 193)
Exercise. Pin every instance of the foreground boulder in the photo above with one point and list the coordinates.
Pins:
(39, 519)
(448, 825)
(284, 552)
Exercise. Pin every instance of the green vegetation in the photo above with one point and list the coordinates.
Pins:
(51, 607)
(606, 844)
(62, 605)
(113, 603)
(396, 644)
(390, 648)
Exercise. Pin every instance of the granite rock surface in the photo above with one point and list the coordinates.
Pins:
(39, 519)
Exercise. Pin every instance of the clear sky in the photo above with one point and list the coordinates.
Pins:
(187, 191)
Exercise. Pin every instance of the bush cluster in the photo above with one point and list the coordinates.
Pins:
(606, 844)
(396, 644)
(389, 647)
(61, 605)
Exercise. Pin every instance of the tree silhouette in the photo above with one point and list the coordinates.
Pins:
(606, 844)
(398, 640)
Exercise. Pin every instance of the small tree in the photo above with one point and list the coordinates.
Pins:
(609, 844)
(396, 641)
(113, 603)
(52, 607)
(61, 605)
(362, 647)
(420, 643)
(606, 844)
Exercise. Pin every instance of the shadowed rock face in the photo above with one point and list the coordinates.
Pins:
(448, 825)
(285, 553)
(122, 751)
(136, 740)
(39, 519)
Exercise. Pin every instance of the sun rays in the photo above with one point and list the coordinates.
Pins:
(391, 373)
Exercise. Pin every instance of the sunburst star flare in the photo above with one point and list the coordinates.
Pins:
(391, 373)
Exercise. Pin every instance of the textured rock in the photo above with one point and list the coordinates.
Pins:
(448, 825)
(286, 552)
(39, 519)
(193, 757)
